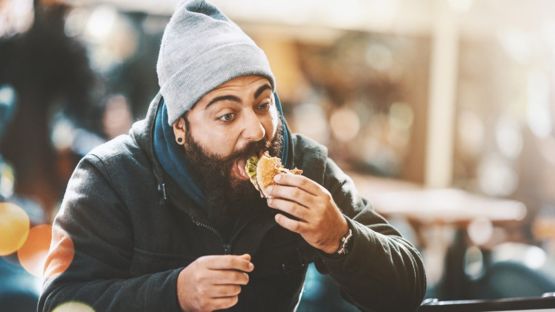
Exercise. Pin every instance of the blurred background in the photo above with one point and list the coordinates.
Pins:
(442, 111)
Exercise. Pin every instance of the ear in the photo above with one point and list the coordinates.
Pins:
(179, 129)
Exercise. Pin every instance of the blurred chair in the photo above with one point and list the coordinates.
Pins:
(506, 279)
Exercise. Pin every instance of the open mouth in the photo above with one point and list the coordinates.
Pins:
(239, 169)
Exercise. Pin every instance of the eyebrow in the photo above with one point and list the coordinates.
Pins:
(223, 98)
(234, 98)
(262, 89)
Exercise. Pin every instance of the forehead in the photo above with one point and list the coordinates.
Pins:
(237, 89)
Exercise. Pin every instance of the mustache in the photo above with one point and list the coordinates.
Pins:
(250, 149)
(272, 146)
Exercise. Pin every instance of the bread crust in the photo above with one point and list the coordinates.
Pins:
(267, 168)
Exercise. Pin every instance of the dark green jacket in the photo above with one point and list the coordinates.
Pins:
(133, 230)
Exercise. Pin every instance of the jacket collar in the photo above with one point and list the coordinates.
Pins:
(143, 131)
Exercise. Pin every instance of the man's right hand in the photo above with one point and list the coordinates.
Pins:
(213, 282)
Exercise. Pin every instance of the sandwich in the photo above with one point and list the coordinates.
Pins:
(262, 171)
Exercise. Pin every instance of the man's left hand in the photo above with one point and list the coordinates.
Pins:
(319, 220)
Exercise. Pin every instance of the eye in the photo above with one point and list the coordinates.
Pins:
(226, 117)
(264, 106)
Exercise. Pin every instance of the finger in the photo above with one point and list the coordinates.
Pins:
(223, 303)
(292, 208)
(229, 262)
(299, 181)
(229, 277)
(291, 193)
(290, 224)
(220, 291)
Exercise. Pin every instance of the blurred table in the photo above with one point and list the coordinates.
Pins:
(435, 206)
(446, 222)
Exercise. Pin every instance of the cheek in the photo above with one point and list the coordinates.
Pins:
(213, 140)
(220, 143)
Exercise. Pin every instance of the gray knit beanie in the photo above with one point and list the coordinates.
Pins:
(202, 49)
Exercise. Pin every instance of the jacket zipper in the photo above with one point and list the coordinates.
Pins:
(226, 246)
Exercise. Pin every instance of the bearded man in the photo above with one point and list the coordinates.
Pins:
(166, 219)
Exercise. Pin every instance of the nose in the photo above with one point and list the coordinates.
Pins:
(253, 130)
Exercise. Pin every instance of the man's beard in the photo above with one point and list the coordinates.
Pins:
(226, 196)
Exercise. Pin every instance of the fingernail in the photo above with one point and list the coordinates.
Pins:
(269, 190)
(277, 177)
(251, 266)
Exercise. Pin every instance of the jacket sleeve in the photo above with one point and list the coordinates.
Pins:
(91, 252)
(382, 271)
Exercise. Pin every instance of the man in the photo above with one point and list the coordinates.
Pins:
(165, 218)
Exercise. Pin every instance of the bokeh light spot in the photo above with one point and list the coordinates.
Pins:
(32, 254)
(73, 306)
(14, 228)
(345, 124)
